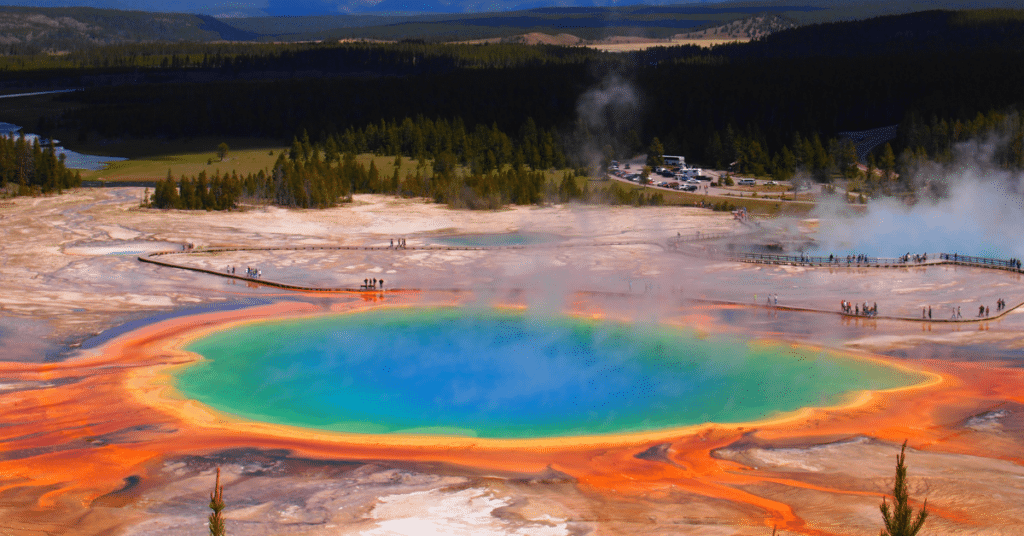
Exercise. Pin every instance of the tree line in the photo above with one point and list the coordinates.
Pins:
(28, 167)
(483, 169)
(408, 56)
(482, 148)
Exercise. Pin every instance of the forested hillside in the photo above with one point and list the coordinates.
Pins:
(773, 106)
(33, 30)
(761, 91)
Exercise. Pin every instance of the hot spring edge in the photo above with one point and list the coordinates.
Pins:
(502, 374)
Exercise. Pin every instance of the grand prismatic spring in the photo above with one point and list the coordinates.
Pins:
(487, 374)
(611, 373)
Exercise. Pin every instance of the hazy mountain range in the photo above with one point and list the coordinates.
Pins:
(259, 8)
(30, 30)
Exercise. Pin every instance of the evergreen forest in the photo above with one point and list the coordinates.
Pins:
(487, 118)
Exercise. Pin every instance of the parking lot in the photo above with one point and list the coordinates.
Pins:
(707, 182)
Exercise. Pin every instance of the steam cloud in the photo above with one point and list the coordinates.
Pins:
(975, 208)
(605, 112)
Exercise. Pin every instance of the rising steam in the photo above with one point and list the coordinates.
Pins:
(605, 114)
(971, 207)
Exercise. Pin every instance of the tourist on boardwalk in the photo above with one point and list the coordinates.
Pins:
(929, 312)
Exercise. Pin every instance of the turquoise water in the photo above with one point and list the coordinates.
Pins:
(506, 375)
(498, 239)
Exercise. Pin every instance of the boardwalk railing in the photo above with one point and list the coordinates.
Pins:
(806, 260)
(861, 261)
(966, 260)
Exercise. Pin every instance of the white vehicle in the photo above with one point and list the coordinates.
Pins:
(670, 160)
(747, 182)
(688, 172)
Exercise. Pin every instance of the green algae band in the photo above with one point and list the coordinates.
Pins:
(506, 375)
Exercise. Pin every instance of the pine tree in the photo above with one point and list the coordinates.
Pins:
(900, 521)
(393, 186)
(715, 151)
(655, 153)
(888, 162)
(217, 505)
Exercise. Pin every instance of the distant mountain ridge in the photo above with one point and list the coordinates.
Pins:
(29, 30)
(833, 9)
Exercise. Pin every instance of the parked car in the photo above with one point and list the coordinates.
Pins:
(689, 188)
(772, 183)
(747, 182)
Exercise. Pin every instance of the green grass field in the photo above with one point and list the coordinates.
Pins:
(191, 162)
(153, 168)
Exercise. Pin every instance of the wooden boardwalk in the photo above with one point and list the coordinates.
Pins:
(671, 245)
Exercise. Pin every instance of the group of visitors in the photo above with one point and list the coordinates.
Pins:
(254, 273)
(859, 309)
(850, 259)
(1015, 263)
(918, 258)
(401, 243)
(371, 284)
(983, 311)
